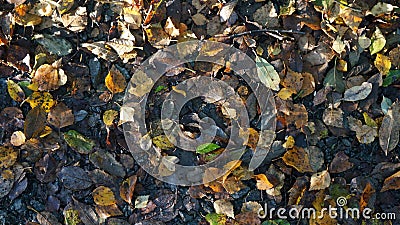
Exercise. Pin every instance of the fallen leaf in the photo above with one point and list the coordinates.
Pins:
(115, 81)
(74, 178)
(382, 63)
(163, 142)
(262, 182)
(23, 17)
(107, 162)
(109, 116)
(226, 11)
(289, 142)
(199, 19)
(42, 99)
(140, 83)
(364, 133)
(381, 8)
(53, 44)
(392, 182)
(378, 41)
(78, 142)
(86, 213)
(338, 45)
(340, 163)
(107, 211)
(225, 207)
(60, 116)
(35, 122)
(99, 48)
(266, 16)
(103, 196)
(75, 21)
(320, 181)
(298, 158)
(141, 201)
(15, 91)
(8, 156)
(49, 77)
(71, 216)
(334, 79)
(47, 218)
(298, 115)
(358, 93)
(267, 74)
(216, 219)
(366, 196)
(18, 138)
(389, 129)
(6, 181)
(127, 187)
(333, 117)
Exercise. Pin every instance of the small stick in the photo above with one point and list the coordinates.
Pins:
(253, 32)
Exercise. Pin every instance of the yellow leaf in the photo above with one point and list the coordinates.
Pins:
(103, 196)
(285, 93)
(289, 142)
(43, 99)
(115, 81)
(109, 116)
(15, 91)
(182, 92)
(299, 159)
(263, 182)
(163, 142)
(7, 157)
(382, 63)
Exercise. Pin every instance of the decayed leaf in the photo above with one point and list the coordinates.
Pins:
(23, 17)
(75, 21)
(115, 81)
(267, 16)
(299, 159)
(381, 8)
(78, 142)
(378, 41)
(216, 219)
(389, 130)
(358, 93)
(74, 178)
(107, 162)
(333, 117)
(223, 206)
(61, 116)
(103, 196)
(163, 142)
(365, 134)
(35, 122)
(141, 201)
(99, 48)
(140, 84)
(86, 213)
(298, 115)
(334, 78)
(15, 91)
(338, 45)
(127, 187)
(392, 182)
(18, 138)
(6, 181)
(340, 163)
(49, 77)
(43, 99)
(71, 217)
(293, 81)
(109, 117)
(262, 182)
(382, 63)
(8, 157)
(54, 45)
(267, 74)
(320, 180)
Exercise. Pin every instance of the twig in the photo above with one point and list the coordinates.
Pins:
(268, 31)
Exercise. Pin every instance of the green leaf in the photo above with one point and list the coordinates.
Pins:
(78, 142)
(267, 74)
(276, 222)
(160, 88)
(391, 77)
(206, 148)
(334, 79)
(378, 41)
(216, 219)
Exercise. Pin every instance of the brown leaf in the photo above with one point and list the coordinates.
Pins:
(298, 115)
(106, 161)
(115, 81)
(108, 211)
(127, 187)
(49, 77)
(299, 159)
(86, 213)
(47, 218)
(35, 122)
(320, 180)
(45, 169)
(60, 116)
(392, 182)
(340, 163)
(262, 182)
(8, 156)
(366, 196)
(74, 178)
